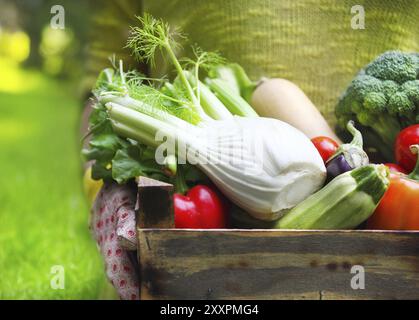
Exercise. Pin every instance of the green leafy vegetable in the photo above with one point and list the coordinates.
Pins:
(115, 157)
(384, 98)
(126, 164)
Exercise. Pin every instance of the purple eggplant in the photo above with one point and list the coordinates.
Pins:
(348, 156)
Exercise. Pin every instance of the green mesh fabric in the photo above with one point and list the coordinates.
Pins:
(310, 42)
(108, 34)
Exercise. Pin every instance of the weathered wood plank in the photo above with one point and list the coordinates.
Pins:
(277, 264)
(154, 204)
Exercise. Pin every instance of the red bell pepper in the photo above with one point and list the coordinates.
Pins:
(407, 137)
(399, 208)
(200, 208)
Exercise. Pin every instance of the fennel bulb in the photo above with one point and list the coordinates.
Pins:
(263, 165)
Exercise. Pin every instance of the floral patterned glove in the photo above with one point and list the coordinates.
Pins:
(113, 227)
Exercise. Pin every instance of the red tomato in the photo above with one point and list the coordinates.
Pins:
(201, 208)
(405, 139)
(395, 168)
(325, 146)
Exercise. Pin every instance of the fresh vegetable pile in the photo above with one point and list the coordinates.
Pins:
(196, 129)
(399, 208)
(384, 98)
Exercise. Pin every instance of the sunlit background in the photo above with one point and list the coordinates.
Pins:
(43, 211)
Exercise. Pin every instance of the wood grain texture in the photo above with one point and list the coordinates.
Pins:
(277, 264)
(154, 204)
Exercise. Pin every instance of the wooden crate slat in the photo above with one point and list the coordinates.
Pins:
(266, 264)
(154, 207)
(277, 264)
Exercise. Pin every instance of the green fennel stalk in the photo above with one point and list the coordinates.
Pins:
(154, 34)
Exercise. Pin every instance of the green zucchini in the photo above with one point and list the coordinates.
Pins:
(344, 203)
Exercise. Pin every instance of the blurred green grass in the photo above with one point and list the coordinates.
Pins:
(43, 212)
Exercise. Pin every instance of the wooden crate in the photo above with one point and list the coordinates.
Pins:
(267, 264)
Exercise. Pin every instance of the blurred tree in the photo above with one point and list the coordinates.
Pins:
(34, 16)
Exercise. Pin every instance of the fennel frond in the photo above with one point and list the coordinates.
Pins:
(152, 35)
(203, 60)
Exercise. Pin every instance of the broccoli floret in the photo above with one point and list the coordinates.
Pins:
(400, 104)
(390, 87)
(364, 84)
(411, 88)
(394, 65)
(384, 96)
(375, 102)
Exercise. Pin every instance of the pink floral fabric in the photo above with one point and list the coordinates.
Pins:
(113, 227)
